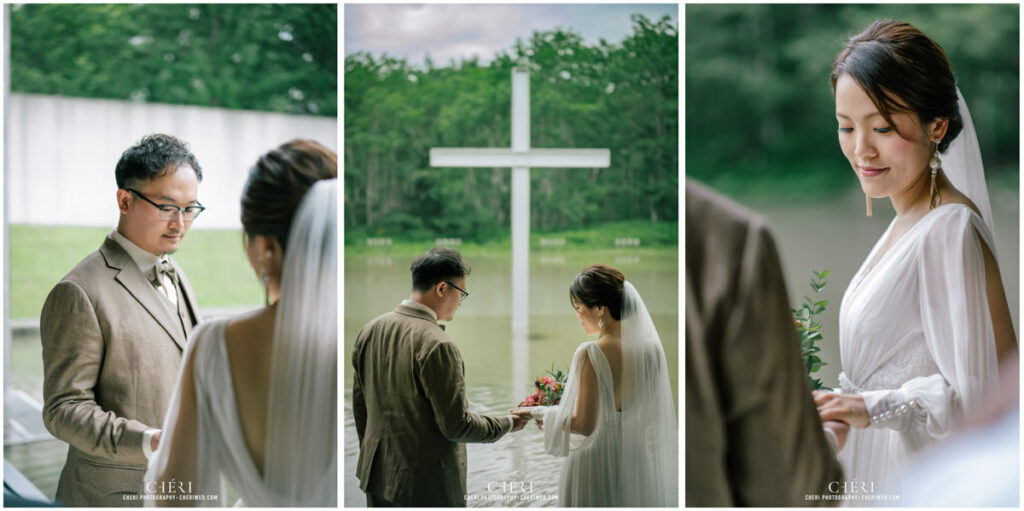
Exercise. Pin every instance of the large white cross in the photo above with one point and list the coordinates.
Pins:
(520, 157)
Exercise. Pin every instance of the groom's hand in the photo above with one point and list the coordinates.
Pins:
(519, 421)
(155, 441)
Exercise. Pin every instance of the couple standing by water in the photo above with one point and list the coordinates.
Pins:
(615, 423)
(159, 406)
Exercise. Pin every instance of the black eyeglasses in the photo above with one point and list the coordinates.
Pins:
(465, 294)
(169, 211)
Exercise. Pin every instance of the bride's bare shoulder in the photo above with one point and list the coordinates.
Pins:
(250, 329)
(954, 196)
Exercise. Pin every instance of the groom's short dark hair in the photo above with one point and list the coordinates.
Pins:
(439, 263)
(151, 157)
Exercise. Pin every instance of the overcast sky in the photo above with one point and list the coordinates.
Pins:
(454, 31)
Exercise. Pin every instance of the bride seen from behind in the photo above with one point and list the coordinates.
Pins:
(256, 400)
(925, 320)
(616, 421)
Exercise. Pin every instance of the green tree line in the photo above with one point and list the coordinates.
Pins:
(760, 115)
(270, 57)
(622, 96)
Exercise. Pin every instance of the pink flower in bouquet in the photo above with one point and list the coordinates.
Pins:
(549, 389)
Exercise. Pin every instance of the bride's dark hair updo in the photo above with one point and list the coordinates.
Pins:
(599, 285)
(902, 70)
(277, 184)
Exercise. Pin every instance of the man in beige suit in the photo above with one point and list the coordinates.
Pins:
(409, 397)
(114, 327)
(753, 434)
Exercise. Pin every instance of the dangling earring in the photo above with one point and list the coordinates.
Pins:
(936, 166)
(600, 322)
(867, 199)
(264, 279)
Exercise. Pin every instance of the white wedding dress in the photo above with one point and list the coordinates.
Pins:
(630, 459)
(300, 455)
(915, 331)
(916, 342)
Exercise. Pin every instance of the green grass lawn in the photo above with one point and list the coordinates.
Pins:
(214, 261)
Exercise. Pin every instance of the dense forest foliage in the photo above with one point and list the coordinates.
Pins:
(760, 114)
(622, 96)
(271, 57)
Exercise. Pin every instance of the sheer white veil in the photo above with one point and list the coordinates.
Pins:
(650, 458)
(962, 165)
(301, 464)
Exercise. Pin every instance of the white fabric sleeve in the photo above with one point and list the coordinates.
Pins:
(537, 412)
(147, 442)
(957, 328)
(558, 419)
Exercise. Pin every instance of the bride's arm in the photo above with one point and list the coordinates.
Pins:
(584, 418)
(1002, 324)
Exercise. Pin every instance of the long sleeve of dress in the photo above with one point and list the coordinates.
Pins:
(957, 328)
(558, 419)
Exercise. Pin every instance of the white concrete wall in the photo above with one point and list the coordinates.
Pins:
(62, 152)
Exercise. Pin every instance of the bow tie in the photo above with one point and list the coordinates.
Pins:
(164, 268)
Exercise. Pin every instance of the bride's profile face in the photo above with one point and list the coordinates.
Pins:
(885, 162)
(588, 317)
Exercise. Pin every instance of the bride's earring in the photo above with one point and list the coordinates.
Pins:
(867, 199)
(600, 322)
(264, 279)
(936, 166)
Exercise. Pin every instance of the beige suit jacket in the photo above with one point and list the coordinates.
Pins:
(411, 413)
(753, 435)
(112, 346)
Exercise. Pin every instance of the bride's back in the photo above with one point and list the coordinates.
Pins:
(612, 350)
(249, 341)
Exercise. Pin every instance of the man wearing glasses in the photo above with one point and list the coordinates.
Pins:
(114, 328)
(409, 398)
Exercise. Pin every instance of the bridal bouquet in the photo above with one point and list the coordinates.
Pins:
(549, 389)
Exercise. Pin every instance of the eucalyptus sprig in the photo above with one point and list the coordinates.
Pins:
(810, 330)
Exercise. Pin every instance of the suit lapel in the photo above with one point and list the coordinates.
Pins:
(131, 278)
(185, 292)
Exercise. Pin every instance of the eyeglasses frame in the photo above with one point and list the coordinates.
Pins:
(180, 211)
(465, 294)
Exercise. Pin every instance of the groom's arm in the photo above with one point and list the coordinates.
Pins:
(72, 357)
(441, 375)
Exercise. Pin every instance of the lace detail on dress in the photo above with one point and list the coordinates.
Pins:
(912, 361)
